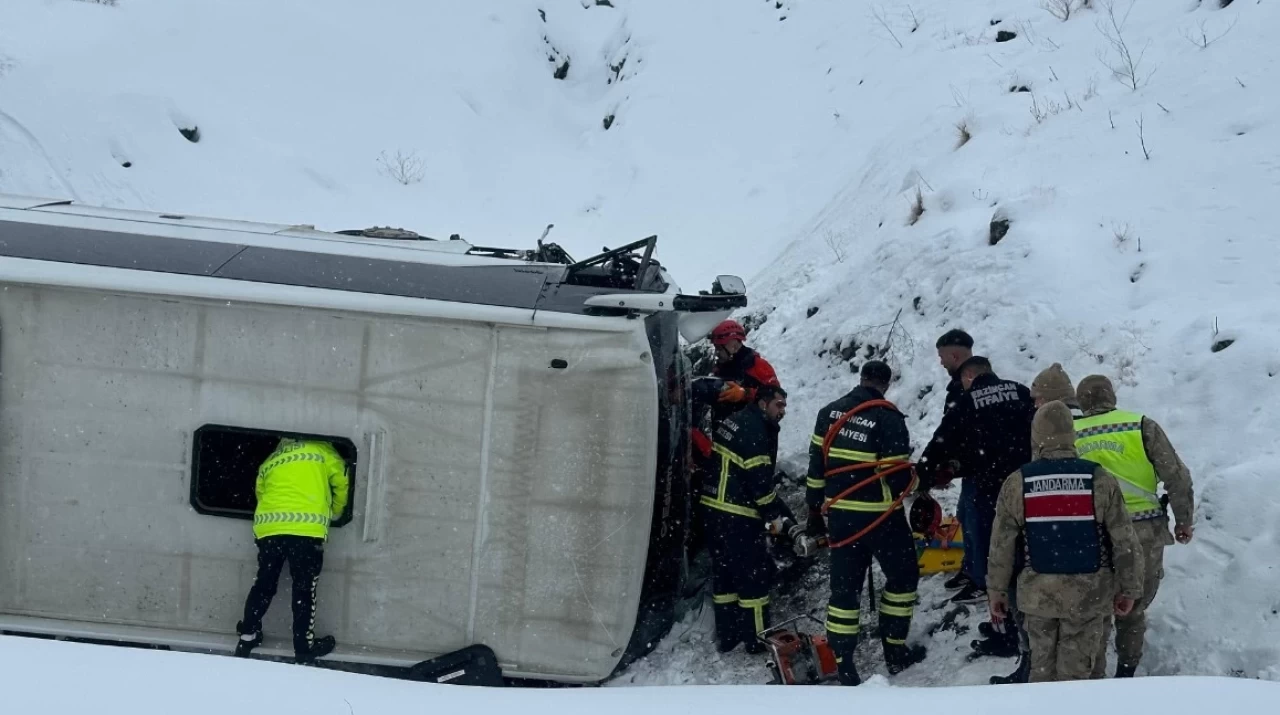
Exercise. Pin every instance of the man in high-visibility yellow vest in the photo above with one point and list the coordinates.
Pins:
(301, 487)
(1136, 450)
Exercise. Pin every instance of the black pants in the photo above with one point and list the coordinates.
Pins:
(893, 547)
(742, 573)
(305, 555)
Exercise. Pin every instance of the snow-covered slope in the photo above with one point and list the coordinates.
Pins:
(1160, 272)
(1114, 263)
(297, 101)
(156, 683)
(788, 137)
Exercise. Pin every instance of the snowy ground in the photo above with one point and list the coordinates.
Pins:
(790, 141)
(157, 683)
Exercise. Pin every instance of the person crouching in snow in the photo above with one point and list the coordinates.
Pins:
(1066, 517)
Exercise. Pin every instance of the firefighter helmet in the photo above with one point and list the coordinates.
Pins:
(726, 331)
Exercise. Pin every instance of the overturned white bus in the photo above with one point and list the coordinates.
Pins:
(516, 424)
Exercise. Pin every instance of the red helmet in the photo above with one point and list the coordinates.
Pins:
(926, 516)
(726, 331)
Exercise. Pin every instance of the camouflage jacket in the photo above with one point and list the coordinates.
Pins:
(1059, 595)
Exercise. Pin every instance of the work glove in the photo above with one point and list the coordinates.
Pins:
(732, 392)
(782, 527)
(707, 390)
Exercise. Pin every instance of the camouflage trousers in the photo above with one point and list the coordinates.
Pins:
(1062, 648)
(1131, 630)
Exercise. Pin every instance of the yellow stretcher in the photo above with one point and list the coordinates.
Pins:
(944, 552)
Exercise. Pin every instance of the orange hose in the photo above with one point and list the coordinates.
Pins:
(893, 467)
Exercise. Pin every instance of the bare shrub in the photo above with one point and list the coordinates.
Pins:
(1091, 90)
(910, 17)
(1042, 109)
(1142, 138)
(917, 208)
(406, 168)
(878, 14)
(835, 241)
(1202, 38)
(1060, 9)
(963, 135)
(1123, 234)
(1125, 66)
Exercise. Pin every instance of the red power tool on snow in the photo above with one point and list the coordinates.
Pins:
(797, 658)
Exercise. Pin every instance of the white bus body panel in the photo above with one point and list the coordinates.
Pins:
(496, 500)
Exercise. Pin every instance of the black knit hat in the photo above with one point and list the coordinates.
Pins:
(955, 338)
(877, 372)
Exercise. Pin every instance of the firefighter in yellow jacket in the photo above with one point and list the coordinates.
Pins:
(301, 487)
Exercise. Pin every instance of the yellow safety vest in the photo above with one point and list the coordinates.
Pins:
(1114, 440)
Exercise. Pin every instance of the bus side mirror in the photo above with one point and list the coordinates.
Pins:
(728, 285)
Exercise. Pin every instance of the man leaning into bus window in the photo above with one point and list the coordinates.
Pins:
(301, 487)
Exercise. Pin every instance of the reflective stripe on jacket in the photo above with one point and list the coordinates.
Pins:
(878, 434)
(301, 487)
(1114, 440)
(743, 483)
(1062, 531)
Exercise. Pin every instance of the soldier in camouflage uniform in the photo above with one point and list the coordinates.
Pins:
(1066, 518)
(1135, 449)
(1051, 384)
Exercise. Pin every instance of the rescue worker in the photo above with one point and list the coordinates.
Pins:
(738, 505)
(740, 366)
(954, 347)
(876, 435)
(1135, 449)
(1065, 518)
(989, 433)
(301, 487)
(1051, 384)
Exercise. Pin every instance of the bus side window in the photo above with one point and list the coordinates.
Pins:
(224, 468)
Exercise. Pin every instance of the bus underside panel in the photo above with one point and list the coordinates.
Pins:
(503, 488)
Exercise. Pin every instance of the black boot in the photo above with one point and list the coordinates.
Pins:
(987, 629)
(728, 626)
(995, 648)
(319, 649)
(847, 670)
(247, 641)
(749, 634)
(970, 593)
(960, 580)
(1021, 675)
(998, 645)
(1125, 671)
(900, 657)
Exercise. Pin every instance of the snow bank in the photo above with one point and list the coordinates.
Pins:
(1140, 269)
(298, 101)
(110, 681)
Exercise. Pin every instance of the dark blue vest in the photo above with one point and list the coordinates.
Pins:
(1062, 534)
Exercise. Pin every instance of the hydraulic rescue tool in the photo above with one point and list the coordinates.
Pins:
(798, 658)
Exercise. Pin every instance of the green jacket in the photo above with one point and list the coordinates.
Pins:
(301, 487)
